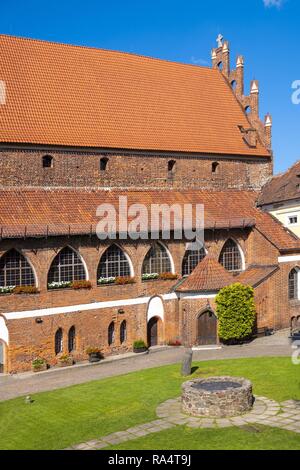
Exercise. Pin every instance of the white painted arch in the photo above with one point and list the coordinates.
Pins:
(4, 336)
(155, 308)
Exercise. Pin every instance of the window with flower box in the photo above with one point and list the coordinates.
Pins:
(15, 271)
(65, 268)
(156, 262)
(113, 264)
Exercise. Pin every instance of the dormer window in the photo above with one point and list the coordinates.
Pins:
(47, 161)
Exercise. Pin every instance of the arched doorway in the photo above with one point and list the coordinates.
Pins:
(207, 328)
(152, 331)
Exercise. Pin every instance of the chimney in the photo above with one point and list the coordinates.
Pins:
(268, 131)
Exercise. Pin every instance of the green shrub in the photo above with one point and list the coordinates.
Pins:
(38, 363)
(236, 312)
(139, 344)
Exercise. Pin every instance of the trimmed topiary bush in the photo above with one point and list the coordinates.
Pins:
(236, 313)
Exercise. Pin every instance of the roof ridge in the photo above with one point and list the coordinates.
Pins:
(94, 48)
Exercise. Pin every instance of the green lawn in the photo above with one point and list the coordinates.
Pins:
(184, 438)
(72, 415)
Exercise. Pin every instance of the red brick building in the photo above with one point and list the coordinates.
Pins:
(81, 127)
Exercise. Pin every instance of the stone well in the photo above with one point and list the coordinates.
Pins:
(217, 397)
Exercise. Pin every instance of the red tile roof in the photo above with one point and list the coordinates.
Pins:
(255, 275)
(67, 95)
(61, 211)
(208, 275)
(282, 187)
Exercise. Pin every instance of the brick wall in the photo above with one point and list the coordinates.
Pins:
(29, 339)
(76, 169)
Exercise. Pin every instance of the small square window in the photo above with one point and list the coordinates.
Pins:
(293, 220)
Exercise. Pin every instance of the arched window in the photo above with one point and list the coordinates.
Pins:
(72, 339)
(157, 260)
(171, 167)
(58, 342)
(103, 163)
(15, 270)
(191, 259)
(123, 332)
(215, 167)
(233, 84)
(220, 65)
(293, 284)
(113, 263)
(66, 267)
(248, 109)
(111, 333)
(230, 257)
(47, 161)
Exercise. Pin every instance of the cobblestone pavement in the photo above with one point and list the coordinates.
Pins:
(29, 383)
(268, 412)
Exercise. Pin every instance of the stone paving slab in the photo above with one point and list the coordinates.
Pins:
(265, 411)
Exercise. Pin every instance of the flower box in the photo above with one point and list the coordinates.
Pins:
(65, 361)
(120, 281)
(28, 290)
(39, 365)
(94, 353)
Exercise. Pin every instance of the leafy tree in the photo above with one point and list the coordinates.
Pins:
(236, 312)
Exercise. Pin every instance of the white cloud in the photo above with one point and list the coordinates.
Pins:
(273, 3)
(197, 61)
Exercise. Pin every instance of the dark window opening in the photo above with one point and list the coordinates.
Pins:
(103, 163)
(123, 332)
(111, 334)
(171, 168)
(58, 341)
(215, 167)
(72, 339)
(293, 284)
(47, 161)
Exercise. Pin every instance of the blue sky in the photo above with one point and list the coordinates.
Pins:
(266, 32)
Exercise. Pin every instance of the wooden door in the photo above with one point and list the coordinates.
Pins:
(207, 328)
(152, 332)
